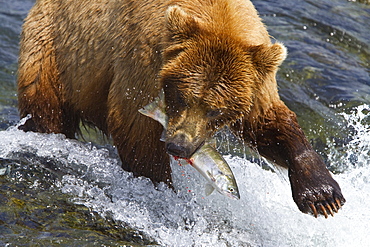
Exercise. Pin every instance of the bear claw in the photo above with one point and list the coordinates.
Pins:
(326, 208)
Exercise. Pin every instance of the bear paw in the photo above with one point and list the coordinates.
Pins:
(316, 193)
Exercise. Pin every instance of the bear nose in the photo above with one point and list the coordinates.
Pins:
(178, 150)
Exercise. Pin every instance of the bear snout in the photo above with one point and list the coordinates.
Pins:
(180, 146)
(177, 150)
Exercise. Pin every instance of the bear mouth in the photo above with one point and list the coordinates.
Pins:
(182, 151)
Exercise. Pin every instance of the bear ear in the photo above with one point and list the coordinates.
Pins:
(266, 58)
(181, 25)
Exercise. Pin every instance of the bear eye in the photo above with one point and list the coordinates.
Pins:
(214, 113)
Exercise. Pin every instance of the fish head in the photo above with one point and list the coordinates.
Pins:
(227, 186)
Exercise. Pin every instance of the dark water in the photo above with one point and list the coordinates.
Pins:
(61, 192)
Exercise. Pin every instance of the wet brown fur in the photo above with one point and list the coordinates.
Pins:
(100, 61)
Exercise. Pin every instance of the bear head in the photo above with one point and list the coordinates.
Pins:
(210, 77)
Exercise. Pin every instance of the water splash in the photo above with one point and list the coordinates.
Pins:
(264, 216)
(355, 152)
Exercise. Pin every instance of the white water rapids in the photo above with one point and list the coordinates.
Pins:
(264, 216)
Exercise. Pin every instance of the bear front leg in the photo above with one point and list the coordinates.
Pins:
(137, 139)
(278, 137)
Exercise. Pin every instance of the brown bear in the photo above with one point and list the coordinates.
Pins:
(100, 61)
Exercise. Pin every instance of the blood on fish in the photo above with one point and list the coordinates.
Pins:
(187, 160)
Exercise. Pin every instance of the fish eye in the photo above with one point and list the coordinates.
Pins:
(231, 190)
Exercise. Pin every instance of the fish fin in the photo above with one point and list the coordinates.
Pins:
(160, 100)
(149, 110)
(158, 103)
(162, 118)
(209, 189)
(145, 112)
(163, 136)
(156, 110)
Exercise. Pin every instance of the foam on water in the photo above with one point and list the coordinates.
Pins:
(264, 216)
(356, 152)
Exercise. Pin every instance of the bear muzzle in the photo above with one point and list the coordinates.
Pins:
(181, 145)
(186, 132)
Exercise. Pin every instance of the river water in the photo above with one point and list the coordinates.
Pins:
(57, 191)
